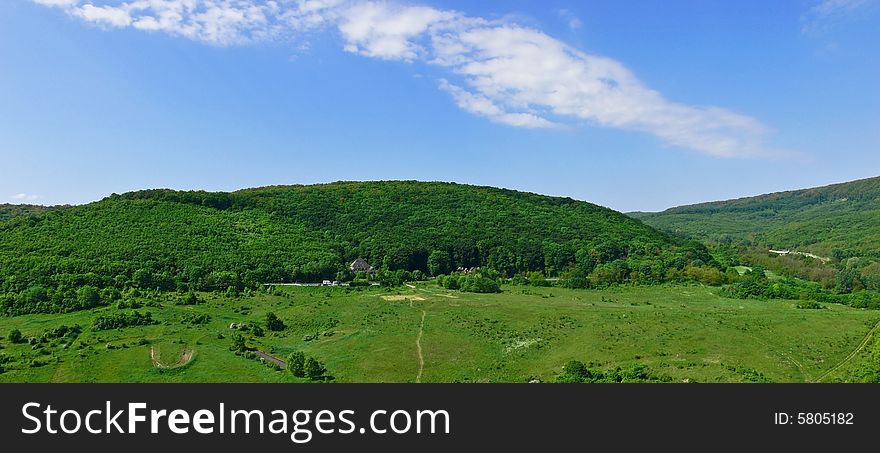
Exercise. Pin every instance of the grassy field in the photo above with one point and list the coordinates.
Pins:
(681, 333)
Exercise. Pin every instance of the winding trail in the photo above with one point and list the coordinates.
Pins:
(419, 339)
(419, 348)
(851, 355)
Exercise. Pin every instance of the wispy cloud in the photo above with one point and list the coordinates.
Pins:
(509, 73)
(827, 13)
(24, 197)
(571, 19)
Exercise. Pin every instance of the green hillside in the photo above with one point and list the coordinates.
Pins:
(840, 220)
(11, 211)
(80, 257)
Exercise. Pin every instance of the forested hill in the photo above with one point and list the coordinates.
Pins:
(841, 219)
(11, 211)
(212, 241)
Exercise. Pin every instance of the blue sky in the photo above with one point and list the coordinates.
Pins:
(632, 105)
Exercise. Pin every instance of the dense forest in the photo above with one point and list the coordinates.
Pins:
(78, 257)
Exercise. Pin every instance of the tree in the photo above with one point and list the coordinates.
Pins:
(537, 279)
(848, 280)
(439, 263)
(15, 336)
(88, 297)
(296, 363)
(238, 344)
(314, 369)
(273, 323)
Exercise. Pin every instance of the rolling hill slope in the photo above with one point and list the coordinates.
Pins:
(213, 241)
(11, 211)
(840, 219)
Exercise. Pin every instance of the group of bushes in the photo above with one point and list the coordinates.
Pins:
(474, 282)
(121, 320)
(575, 371)
(301, 365)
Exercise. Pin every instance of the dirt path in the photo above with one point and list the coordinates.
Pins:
(185, 356)
(851, 355)
(270, 358)
(419, 347)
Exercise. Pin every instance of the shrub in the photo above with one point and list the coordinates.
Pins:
(274, 323)
(15, 336)
(238, 343)
(190, 299)
(296, 364)
(809, 305)
(314, 369)
(195, 318)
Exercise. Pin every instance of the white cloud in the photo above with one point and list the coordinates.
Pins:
(511, 74)
(387, 31)
(56, 2)
(829, 12)
(571, 20)
(24, 197)
(104, 15)
(483, 106)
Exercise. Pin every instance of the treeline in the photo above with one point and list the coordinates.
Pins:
(576, 372)
(754, 284)
(199, 241)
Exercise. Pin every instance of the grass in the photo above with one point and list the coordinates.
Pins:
(682, 333)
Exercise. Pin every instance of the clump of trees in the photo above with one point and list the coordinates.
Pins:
(122, 320)
(481, 281)
(301, 365)
(575, 371)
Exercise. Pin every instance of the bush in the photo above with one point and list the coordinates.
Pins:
(274, 323)
(195, 318)
(15, 336)
(478, 284)
(296, 364)
(238, 343)
(809, 305)
(519, 280)
(537, 279)
(314, 369)
(190, 299)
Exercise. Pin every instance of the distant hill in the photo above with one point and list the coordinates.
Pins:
(839, 219)
(214, 240)
(11, 211)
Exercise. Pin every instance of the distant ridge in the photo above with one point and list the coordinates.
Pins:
(842, 217)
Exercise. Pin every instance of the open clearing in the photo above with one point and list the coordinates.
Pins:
(185, 357)
(399, 298)
(683, 333)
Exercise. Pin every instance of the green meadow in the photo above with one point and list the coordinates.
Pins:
(680, 333)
